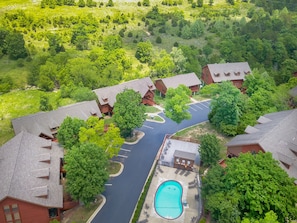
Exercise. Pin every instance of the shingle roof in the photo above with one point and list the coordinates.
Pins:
(107, 95)
(43, 122)
(188, 80)
(229, 71)
(277, 134)
(24, 171)
(184, 154)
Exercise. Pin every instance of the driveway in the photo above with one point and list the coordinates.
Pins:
(122, 192)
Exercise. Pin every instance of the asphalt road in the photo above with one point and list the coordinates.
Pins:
(123, 191)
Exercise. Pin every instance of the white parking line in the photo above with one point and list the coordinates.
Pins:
(204, 105)
(193, 108)
(198, 107)
(122, 156)
(126, 150)
(108, 184)
(148, 126)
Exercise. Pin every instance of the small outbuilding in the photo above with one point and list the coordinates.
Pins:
(184, 160)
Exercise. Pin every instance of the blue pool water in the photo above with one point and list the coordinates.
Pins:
(168, 199)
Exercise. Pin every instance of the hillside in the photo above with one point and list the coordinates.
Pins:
(85, 45)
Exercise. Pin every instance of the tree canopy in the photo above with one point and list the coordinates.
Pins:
(86, 172)
(251, 186)
(108, 139)
(129, 112)
(68, 132)
(226, 108)
(176, 103)
(209, 149)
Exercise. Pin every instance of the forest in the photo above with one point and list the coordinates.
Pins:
(72, 47)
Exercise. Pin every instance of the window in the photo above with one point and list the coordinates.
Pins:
(12, 214)
(53, 212)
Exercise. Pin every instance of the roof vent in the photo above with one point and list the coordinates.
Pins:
(40, 191)
(237, 73)
(227, 74)
(216, 74)
(247, 72)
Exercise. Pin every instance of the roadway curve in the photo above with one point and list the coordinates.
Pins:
(122, 192)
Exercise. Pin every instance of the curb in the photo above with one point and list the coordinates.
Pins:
(120, 171)
(97, 210)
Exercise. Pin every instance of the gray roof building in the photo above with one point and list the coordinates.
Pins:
(30, 170)
(107, 95)
(188, 80)
(229, 71)
(47, 123)
(275, 133)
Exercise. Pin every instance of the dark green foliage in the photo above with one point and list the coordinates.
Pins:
(158, 39)
(209, 150)
(146, 2)
(68, 132)
(45, 104)
(69, 2)
(176, 103)
(250, 186)
(86, 172)
(226, 108)
(91, 3)
(55, 44)
(142, 198)
(199, 3)
(129, 112)
(83, 94)
(112, 42)
(81, 3)
(6, 84)
(15, 45)
(144, 52)
(109, 3)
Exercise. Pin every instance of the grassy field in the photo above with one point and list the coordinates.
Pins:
(20, 103)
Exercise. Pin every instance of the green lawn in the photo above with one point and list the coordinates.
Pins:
(20, 103)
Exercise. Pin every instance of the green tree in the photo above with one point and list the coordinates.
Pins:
(162, 65)
(109, 3)
(200, 3)
(179, 60)
(146, 2)
(108, 139)
(226, 108)
(259, 185)
(257, 80)
(270, 217)
(176, 103)
(45, 104)
(68, 132)
(197, 29)
(6, 84)
(129, 112)
(86, 172)
(112, 42)
(81, 3)
(82, 94)
(55, 44)
(209, 149)
(15, 45)
(144, 52)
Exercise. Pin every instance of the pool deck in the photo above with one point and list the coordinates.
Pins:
(190, 204)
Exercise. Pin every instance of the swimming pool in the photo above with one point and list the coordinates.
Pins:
(168, 199)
